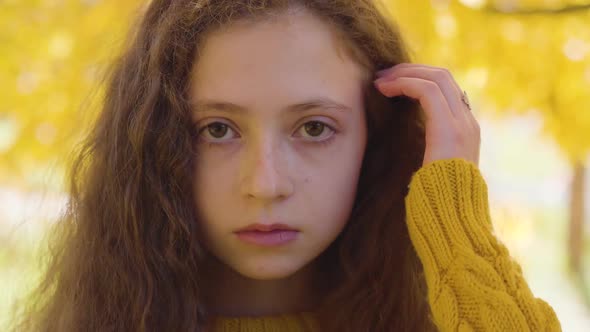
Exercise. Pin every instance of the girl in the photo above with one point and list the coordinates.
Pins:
(248, 173)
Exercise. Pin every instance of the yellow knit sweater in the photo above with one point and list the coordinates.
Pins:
(473, 283)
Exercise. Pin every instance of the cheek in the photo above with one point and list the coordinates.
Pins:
(335, 189)
(212, 187)
(331, 191)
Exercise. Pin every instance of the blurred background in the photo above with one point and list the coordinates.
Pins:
(524, 63)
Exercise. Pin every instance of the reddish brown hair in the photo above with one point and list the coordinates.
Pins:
(126, 252)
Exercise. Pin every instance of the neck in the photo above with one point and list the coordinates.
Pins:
(232, 294)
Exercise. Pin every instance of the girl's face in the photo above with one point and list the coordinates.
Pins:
(282, 134)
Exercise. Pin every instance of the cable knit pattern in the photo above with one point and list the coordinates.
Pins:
(473, 283)
(293, 322)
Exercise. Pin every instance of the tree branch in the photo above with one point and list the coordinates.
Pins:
(537, 11)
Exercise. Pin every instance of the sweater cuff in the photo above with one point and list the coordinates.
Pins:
(447, 211)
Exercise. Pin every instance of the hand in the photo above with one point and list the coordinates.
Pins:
(451, 129)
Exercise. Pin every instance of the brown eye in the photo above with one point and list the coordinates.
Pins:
(314, 128)
(217, 129)
(216, 133)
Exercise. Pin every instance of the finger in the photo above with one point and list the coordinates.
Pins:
(442, 78)
(468, 113)
(472, 121)
(427, 92)
(405, 64)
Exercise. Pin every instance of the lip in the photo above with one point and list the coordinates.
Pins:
(267, 235)
(267, 228)
(268, 239)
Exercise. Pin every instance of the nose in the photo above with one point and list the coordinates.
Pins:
(265, 174)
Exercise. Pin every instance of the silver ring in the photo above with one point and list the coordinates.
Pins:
(465, 100)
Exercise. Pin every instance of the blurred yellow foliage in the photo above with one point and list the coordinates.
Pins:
(51, 57)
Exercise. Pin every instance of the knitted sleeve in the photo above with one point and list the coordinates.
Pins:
(473, 282)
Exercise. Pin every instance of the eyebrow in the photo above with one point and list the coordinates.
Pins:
(322, 103)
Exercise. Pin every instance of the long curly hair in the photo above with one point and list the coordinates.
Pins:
(125, 254)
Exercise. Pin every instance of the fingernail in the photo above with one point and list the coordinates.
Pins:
(380, 80)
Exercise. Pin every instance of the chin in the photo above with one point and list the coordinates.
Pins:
(267, 270)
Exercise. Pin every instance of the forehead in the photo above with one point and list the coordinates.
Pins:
(288, 58)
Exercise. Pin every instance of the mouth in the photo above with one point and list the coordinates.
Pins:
(268, 239)
(267, 228)
(267, 235)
